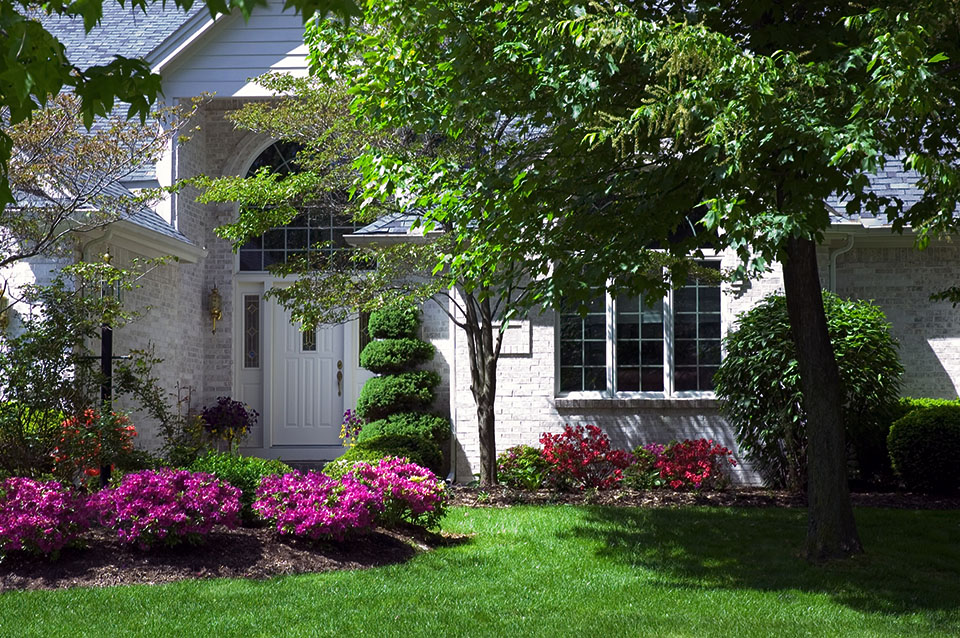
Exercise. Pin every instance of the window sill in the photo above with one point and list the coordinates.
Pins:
(600, 403)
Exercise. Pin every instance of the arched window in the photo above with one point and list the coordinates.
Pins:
(314, 225)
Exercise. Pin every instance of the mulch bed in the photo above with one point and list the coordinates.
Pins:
(258, 553)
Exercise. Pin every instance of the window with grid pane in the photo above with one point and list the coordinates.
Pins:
(583, 349)
(316, 231)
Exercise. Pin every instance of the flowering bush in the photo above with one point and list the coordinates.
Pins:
(582, 458)
(229, 420)
(40, 516)
(167, 505)
(694, 464)
(408, 492)
(351, 427)
(91, 441)
(522, 467)
(643, 474)
(313, 505)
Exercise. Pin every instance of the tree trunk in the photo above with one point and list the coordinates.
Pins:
(831, 531)
(484, 351)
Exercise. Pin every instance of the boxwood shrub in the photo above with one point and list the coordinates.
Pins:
(428, 426)
(407, 392)
(390, 356)
(394, 322)
(924, 447)
(242, 472)
(418, 450)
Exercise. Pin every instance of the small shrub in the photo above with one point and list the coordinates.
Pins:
(229, 420)
(643, 474)
(168, 506)
(410, 493)
(394, 322)
(391, 356)
(522, 467)
(582, 458)
(315, 506)
(427, 426)
(418, 450)
(694, 465)
(91, 441)
(351, 428)
(407, 392)
(242, 472)
(924, 446)
(41, 517)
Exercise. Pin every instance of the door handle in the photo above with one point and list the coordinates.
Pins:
(340, 378)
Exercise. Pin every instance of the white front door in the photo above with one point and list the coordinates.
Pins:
(308, 382)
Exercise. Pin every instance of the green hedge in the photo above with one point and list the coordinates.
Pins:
(417, 449)
(925, 447)
(242, 472)
(390, 356)
(394, 323)
(406, 392)
(427, 426)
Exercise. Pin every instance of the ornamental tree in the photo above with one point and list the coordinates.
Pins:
(600, 128)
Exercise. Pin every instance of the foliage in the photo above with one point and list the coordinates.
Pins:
(581, 457)
(351, 428)
(315, 506)
(394, 322)
(759, 384)
(167, 506)
(40, 516)
(417, 450)
(393, 355)
(39, 68)
(428, 426)
(924, 447)
(229, 420)
(695, 465)
(47, 367)
(410, 493)
(89, 442)
(522, 467)
(242, 472)
(643, 473)
(404, 392)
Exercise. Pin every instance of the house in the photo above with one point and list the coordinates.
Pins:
(623, 367)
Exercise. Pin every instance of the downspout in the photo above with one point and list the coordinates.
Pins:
(832, 287)
(452, 475)
(102, 239)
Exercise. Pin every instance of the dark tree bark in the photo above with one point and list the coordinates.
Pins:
(831, 531)
(484, 350)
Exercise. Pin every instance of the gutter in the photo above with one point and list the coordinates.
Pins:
(834, 255)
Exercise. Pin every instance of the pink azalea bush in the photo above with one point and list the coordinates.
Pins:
(695, 465)
(167, 506)
(40, 516)
(408, 492)
(313, 505)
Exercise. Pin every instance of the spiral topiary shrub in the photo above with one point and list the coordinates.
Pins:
(390, 356)
(394, 322)
(428, 426)
(758, 384)
(924, 447)
(409, 391)
(417, 450)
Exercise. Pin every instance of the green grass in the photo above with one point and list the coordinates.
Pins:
(566, 571)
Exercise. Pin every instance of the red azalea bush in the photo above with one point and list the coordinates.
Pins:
(167, 506)
(88, 442)
(40, 516)
(313, 505)
(694, 465)
(581, 457)
(408, 491)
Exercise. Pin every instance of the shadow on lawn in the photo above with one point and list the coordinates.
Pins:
(911, 564)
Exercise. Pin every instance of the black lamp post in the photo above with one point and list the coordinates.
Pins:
(106, 376)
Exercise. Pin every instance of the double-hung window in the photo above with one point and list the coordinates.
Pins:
(628, 346)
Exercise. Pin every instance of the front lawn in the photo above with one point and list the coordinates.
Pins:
(565, 571)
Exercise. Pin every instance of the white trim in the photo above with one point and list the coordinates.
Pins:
(150, 243)
(180, 40)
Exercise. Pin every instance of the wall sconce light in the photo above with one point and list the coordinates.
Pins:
(216, 312)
